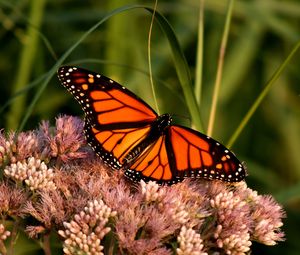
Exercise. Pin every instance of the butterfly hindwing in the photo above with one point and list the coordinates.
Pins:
(113, 145)
(153, 164)
(106, 103)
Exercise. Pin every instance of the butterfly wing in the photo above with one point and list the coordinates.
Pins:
(116, 120)
(194, 154)
(154, 163)
(106, 104)
(113, 145)
(183, 152)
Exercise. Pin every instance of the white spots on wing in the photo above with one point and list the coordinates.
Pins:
(111, 81)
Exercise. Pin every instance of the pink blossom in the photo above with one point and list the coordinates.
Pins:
(52, 176)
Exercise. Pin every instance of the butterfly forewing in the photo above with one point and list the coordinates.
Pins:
(106, 103)
(197, 155)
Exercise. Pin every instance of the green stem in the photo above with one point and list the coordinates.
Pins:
(26, 63)
(262, 95)
(149, 57)
(222, 50)
(199, 60)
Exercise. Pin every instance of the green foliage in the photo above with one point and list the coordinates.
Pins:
(114, 37)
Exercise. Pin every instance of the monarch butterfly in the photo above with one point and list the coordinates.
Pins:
(128, 134)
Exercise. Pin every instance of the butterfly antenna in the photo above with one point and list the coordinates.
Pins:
(149, 57)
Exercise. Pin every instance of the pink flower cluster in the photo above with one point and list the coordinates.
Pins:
(87, 229)
(52, 176)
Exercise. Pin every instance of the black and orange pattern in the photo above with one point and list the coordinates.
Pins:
(128, 134)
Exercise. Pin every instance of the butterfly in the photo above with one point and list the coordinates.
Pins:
(128, 134)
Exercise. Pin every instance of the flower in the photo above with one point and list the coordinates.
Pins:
(84, 233)
(17, 147)
(231, 234)
(151, 191)
(65, 142)
(190, 242)
(34, 172)
(3, 233)
(267, 216)
(95, 208)
(12, 200)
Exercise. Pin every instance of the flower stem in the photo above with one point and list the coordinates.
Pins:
(13, 237)
(2, 248)
(46, 244)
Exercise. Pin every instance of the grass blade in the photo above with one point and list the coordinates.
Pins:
(199, 59)
(182, 69)
(217, 85)
(262, 95)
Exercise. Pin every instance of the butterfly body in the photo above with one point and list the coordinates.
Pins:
(128, 134)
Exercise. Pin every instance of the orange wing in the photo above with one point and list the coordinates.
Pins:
(113, 145)
(153, 164)
(183, 152)
(194, 154)
(107, 104)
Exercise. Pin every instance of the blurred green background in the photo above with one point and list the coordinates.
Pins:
(34, 34)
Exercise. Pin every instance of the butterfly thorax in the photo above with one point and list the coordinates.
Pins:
(162, 122)
(157, 129)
